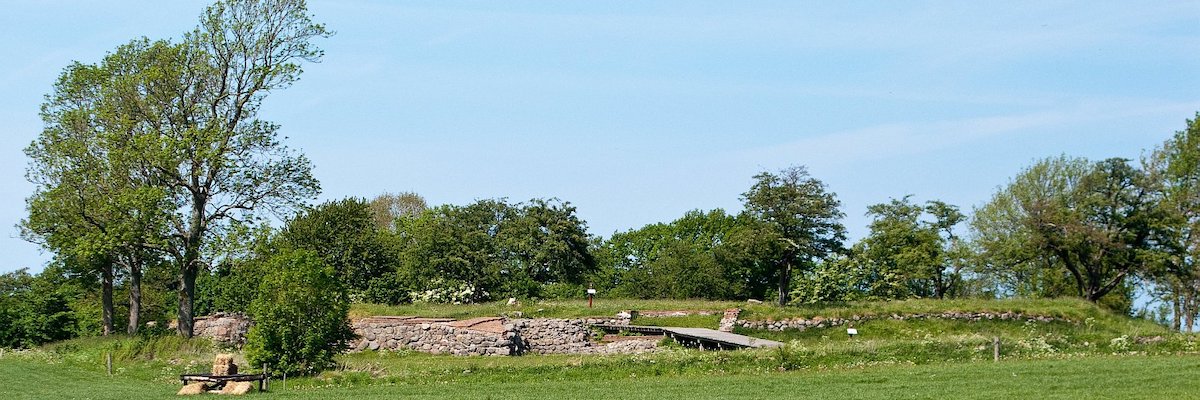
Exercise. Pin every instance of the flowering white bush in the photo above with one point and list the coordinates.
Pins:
(446, 291)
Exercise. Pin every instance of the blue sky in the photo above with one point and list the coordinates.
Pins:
(638, 111)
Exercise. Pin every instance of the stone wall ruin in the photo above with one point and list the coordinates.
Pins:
(227, 329)
(488, 336)
(500, 336)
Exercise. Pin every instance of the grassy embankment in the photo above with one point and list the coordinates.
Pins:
(1088, 353)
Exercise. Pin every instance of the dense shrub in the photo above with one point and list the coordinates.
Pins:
(35, 309)
(300, 315)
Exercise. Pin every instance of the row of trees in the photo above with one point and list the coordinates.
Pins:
(1100, 230)
(490, 248)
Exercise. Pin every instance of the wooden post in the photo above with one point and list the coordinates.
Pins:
(995, 349)
(108, 363)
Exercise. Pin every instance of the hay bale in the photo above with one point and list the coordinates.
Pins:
(238, 388)
(223, 365)
(192, 389)
(223, 359)
(225, 369)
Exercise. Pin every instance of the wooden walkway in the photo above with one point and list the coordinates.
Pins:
(705, 339)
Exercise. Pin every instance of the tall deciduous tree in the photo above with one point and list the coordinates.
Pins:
(1008, 257)
(1175, 169)
(1095, 220)
(675, 260)
(909, 252)
(181, 122)
(801, 214)
(389, 207)
(91, 206)
(344, 235)
(205, 143)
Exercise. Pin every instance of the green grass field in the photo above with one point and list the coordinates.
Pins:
(1100, 377)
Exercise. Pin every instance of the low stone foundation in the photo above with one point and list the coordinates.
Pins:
(551, 336)
(479, 336)
(493, 336)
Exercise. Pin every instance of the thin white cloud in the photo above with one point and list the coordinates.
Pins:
(878, 142)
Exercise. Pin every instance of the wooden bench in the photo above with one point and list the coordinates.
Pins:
(263, 380)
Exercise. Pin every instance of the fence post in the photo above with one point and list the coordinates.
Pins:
(108, 362)
(995, 349)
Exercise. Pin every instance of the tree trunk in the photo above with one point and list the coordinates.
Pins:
(106, 298)
(190, 266)
(785, 278)
(1177, 309)
(135, 295)
(1189, 310)
(939, 282)
(187, 291)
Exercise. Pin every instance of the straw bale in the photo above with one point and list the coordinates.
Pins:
(223, 359)
(223, 365)
(192, 389)
(238, 388)
(225, 369)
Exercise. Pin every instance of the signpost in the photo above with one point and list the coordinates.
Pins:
(591, 293)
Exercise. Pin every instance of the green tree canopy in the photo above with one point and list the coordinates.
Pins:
(344, 234)
(1093, 220)
(909, 250)
(1174, 169)
(674, 260)
(92, 206)
(169, 133)
(796, 210)
(492, 247)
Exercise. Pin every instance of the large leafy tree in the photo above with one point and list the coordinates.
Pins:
(1175, 170)
(549, 242)
(181, 120)
(679, 259)
(910, 249)
(91, 206)
(1007, 256)
(495, 247)
(1093, 220)
(796, 210)
(389, 207)
(343, 233)
(202, 139)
